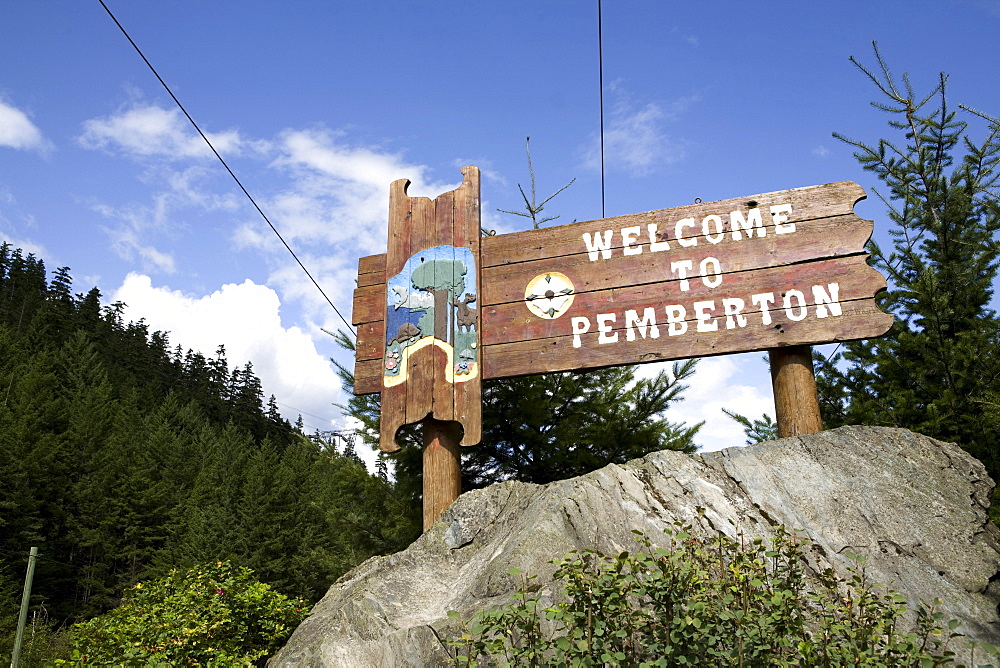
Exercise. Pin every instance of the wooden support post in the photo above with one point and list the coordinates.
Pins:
(442, 467)
(796, 402)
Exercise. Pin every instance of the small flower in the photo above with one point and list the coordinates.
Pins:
(220, 592)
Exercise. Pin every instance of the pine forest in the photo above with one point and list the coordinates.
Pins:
(122, 458)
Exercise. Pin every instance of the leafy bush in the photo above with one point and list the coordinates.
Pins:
(215, 614)
(703, 601)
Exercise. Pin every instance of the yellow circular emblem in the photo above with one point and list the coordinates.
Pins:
(549, 295)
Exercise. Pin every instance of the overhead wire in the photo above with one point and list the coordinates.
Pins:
(600, 87)
(226, 166)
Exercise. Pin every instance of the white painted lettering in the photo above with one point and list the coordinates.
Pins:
(711, 272)
(605, 334)
(801, 299)
(654, 245)
(629, 235)
(763, 300)
(648, 322)
(752, 224)
(597, 244)
(677, 324)
(780, 213)
(716, 222)
(580, 325)
(706, 323)
(679, 234)
(733, 308)
(827, 300)
(681, 268)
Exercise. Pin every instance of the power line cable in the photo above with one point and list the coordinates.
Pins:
(600, 85)
(224, 164)
(302, 412)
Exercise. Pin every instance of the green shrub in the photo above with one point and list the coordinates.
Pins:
(215, 614)
(703, 601)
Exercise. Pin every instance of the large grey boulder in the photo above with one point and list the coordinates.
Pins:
(913, 506)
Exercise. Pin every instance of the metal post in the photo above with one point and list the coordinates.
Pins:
(15, 658)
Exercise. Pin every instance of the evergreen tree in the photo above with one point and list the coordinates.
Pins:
(937, 369)
(554, 426)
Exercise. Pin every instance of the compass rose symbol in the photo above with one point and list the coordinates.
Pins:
(549, 295)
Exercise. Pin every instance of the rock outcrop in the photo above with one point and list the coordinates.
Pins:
(913, 506)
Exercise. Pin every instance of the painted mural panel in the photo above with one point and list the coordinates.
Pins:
(432, 301)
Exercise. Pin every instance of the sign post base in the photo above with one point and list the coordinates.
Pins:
(796, 402)
(442, 467)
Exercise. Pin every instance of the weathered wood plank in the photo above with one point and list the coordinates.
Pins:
(853, 279)
(394, 398)
(369, 304)
(469, 404)
(371, 270)
(368, 376)
(822, 201)
(814, 239)
(419, 385)
(443, 392)
(860, 319)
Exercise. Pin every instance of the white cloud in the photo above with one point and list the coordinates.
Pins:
(635, 137)
(161, 137)
(328, 200)
(685, 36)
(246, 319)
(126, 242)
(340, 193)
(721, 382)
(333, 209)
(149, 130)
(130, 231)
(17, 130)
(821, 151)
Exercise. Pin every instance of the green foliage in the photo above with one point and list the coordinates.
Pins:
(759, 430)
(936, 370)
(555, 426)
(702, 601)
(215, 614)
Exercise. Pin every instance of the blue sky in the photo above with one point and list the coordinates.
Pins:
(318, 106)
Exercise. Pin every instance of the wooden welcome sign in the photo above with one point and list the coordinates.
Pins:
(445, 309)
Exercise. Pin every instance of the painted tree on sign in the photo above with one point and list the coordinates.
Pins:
(445, 279)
